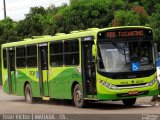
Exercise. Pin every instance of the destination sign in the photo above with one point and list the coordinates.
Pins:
(125, 33)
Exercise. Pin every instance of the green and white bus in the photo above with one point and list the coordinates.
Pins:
(116, 63)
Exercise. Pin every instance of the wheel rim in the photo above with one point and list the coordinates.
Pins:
(28, 96)
(78, 96)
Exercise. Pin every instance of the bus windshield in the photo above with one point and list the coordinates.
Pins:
(115, 57)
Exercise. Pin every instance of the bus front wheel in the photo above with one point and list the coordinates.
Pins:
(129, 102)
(78, 97)
(28, 94)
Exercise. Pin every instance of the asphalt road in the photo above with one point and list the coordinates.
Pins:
(16, 105)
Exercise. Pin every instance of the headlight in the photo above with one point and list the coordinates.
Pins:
(151, 82)
(108, 85)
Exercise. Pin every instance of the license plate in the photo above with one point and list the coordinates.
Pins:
(133, 93)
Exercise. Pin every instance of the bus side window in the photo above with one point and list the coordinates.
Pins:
(56, 53)
(4, 58)
(71, 51)
(31, 56)
(21, 57)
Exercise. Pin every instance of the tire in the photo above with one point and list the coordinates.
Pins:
(129, 102)
(28, 94)
(78, 97)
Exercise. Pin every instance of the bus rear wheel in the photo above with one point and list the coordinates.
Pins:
(28, 94)
(78, 97)
(129, 102)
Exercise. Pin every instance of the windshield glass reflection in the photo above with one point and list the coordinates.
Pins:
(118, 57)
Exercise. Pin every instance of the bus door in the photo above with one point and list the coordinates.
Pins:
(88, 68)
(43, 68)
(11, 71)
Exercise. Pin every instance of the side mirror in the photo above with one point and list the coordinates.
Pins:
(94, 50)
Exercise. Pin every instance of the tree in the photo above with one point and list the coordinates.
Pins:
(150, 5)
(155, 24)
(135, 17)
(8, 30)
(84, 14)
(32, 24)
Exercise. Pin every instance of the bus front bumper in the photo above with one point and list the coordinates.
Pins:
(110, 94)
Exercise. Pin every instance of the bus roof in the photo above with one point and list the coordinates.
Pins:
(63, 36)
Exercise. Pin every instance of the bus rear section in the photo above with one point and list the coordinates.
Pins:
(126, 65)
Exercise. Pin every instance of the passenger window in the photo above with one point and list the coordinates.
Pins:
(4, 58)
(71, 52)
(56, 53)
(20, 57)
(32, 56)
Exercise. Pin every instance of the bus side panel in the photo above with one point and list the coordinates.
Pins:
(30, 76)
(19, 89)
(71, 74)
(61, 80)
(34, 81)
(21, 78)
(56, 82)
(35, 89)
(5, 81)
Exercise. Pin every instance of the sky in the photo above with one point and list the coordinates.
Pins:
(16, 9)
